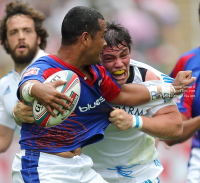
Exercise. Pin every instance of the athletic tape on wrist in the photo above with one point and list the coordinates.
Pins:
(29, 89)
(25, 93)
(153, 92)
(137, 122)
(174, 90)
(166, 92)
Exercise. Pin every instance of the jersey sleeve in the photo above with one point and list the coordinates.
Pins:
(156, 108)
(186, 100)
(180, 65)
(34, 72)
(109, 87)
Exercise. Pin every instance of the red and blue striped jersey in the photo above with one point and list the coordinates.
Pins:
(189, 103)
(86, 124)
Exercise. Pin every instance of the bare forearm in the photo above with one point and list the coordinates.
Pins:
(133, 95)
(167, 126)
(189, 128)
(137, 94)
(6, 136)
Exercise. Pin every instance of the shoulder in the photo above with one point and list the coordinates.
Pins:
(151, 76)
(147, 72)
(6, 78)
(5, 81)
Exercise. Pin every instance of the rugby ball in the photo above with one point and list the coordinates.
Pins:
(71, 88)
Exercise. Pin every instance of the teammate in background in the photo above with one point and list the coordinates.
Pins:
(130, 155)
(24, 38)
(189, 105)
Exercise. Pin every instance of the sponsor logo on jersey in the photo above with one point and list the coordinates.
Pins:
(31, 71)
(7, 90)
(91, 106)
(132, 110)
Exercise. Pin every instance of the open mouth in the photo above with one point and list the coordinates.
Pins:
(21, 47)
(121, 74)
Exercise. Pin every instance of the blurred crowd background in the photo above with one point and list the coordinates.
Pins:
(162, 30)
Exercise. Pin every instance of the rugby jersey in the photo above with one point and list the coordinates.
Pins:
(129, 147)
(90, 117)
(189, 103)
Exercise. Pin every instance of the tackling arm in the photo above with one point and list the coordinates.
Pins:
(190, 126)
(165, 124)
(137, 94)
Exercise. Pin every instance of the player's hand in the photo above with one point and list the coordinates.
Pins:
(49, 97)
(182, 81)
(120, 119)
(23, 112)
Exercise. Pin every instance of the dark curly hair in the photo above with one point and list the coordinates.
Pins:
(17, 7)
(117, 34)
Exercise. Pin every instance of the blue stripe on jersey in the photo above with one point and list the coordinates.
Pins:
(157, 163)
(167, 79)
(29, 166)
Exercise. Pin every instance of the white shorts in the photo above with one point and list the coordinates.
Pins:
(37, 167)
(143, 173)
(193, 175)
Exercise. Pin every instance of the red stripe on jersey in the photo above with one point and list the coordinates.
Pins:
(49, 72)
(61, 62)
(188, 100)
(76, 70)
(181, 64)
(108, 88)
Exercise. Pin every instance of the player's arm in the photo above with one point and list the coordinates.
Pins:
(190, 126)
(137, 94)
(165, 124)
(45, 93)
(6, 136)
(6, 129)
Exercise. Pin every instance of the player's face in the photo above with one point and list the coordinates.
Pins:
(98, 43)
(22, 40)
(117, 60)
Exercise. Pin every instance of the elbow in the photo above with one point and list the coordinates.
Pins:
(3, 149)
(177, 128)
(178, 133)
(170, 142)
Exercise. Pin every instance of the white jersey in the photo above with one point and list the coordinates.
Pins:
(129, 147)
(8, 96)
